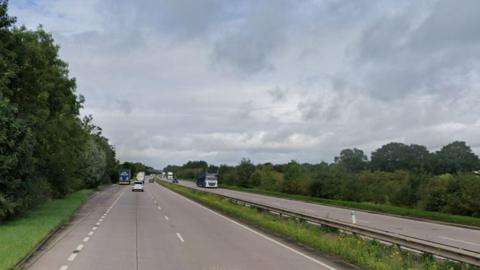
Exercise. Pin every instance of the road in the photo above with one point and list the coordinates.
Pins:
(459, 237)
(159, 229)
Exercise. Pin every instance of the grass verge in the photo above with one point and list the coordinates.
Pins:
(379, 208)
(20, 236)
(366, 254)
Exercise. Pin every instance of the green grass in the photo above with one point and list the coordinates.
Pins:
(21, 235)
(379, 208)
(366, 254)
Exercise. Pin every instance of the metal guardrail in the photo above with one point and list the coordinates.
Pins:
(445, 251)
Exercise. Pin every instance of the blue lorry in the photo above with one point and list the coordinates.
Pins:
(207, 180)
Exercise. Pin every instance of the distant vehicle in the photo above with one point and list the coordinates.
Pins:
(175, 180)
(169, 175)
(137, 186)
(124, 177)
(207, 180)
(141, 177)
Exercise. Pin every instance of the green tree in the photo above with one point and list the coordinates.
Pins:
(15, 162)
(455, 157)
(398, 156)
(227, 175)
(352, 160)
(244, 170)
(295, 179)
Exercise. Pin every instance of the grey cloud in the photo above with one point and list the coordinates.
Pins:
(278, 94)
(403, 54)
(451, 25)
(249, 45)
(171, 81)
(178, 18)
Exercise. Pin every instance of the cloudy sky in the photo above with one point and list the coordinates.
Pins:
(177, 80)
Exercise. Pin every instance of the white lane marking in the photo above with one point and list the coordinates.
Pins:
(180, 237)
(86, 239)
(460, 241)
(98, 224)
(166, 218)
(159, 208)
(100, 220)
(72, 257)
(64, 267)
(94, 228)
(255, 232)
(79, 247)
(90, 233)
(362, 221)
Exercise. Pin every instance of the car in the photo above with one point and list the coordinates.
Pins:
(175, 181)
(137, 186)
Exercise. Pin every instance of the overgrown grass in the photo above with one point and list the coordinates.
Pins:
(380, 208)
(21, 235)
(366, 254)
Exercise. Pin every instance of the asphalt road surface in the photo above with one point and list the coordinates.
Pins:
(467, 239)
(159, 229)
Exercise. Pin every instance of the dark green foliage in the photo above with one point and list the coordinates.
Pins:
(455, 157)
(402, 175)
(295, 179)
(352, 160)
(244, 171)
(45, 149)
(398, 156)
(227, 175)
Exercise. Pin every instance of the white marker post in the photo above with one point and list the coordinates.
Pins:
(354, 218)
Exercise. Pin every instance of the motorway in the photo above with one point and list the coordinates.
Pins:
(453, 236)
(159, 229)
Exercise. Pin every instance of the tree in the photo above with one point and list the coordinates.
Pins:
(43, 144)
(94, 163)
(212, 169)
(352, 160)
(227, 175)
(398, 156)
(455, 157)
(15, 161)
(295, 179)
(244, 170)
(266, 178)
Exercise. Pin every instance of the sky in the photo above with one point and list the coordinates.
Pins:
(273, 81)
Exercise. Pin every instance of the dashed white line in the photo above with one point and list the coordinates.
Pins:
(159, 208)
(257, 233)
(72, 257)
(180, 237)
(98, 224)
(90, 233)
(64, 267)
(166, 218)
(79, 247)
(94, 228)
(86, 239)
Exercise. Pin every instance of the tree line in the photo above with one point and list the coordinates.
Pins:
(396, 174)
(46, 149)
